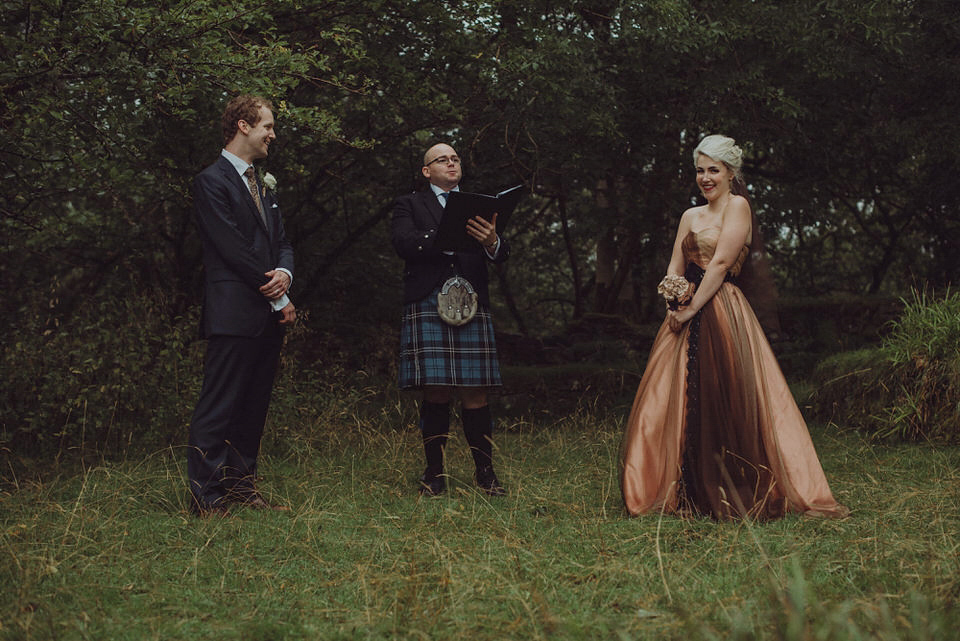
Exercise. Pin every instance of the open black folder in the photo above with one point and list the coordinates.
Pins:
(462, 206)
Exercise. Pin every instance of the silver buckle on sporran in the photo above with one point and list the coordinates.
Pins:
(457, 302)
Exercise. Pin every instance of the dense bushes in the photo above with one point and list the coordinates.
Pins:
(812, 327)
(909, 387)
(121, 371)
(123, 374)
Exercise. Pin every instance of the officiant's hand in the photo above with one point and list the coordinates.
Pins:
(485, 232)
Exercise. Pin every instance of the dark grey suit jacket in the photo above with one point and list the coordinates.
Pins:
(238, 248)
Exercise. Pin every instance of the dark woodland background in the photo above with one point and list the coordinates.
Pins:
(846, 109)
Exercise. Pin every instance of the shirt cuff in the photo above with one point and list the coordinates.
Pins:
(496, 249)
(280, 303)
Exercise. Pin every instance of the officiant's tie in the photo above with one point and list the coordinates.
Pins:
(443, 203)
(252, 184)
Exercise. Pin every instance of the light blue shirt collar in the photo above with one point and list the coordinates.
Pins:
(437, 191)
(238, 164)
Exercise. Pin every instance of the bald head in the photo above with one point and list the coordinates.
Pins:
(441, 166)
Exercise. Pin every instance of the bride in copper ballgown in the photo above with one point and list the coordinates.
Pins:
(714, 429)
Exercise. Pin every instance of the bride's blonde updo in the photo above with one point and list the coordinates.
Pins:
(723, 149)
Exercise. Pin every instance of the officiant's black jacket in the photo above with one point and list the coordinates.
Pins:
(416, 218)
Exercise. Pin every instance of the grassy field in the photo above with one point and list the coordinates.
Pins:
(110, 552)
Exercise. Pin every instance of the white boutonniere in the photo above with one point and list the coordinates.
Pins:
(269, 181)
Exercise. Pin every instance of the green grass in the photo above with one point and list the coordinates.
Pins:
(111, 552)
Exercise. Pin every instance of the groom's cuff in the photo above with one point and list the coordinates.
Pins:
(280, 303)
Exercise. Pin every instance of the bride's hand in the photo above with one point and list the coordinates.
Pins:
(677, 319)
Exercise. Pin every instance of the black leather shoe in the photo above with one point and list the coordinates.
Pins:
(210, 511)
(256, 501)
(432, 484)
(488, 482)
(247, 495)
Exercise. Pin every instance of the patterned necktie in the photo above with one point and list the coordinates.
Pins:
(443, 198)
(252, 184)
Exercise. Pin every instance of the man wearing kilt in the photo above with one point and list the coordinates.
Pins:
(440, 358)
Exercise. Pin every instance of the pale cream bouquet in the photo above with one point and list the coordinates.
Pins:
(676, 290)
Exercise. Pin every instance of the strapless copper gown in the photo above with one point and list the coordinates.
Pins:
(728, 440)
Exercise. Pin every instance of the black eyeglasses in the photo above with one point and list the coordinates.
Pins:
(445, 160)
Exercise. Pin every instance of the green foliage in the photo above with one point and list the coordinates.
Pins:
(108, 109)
(123, 377)
(813, 327)
(110, 552)
(119, 373)
(907, 388)
(928, 331)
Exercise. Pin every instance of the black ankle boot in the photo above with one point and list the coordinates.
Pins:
(478, 430)
(487, 481)
(434, 429)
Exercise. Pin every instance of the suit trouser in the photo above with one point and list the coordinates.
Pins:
(227, 424)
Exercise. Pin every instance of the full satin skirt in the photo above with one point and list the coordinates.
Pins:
(734, 444)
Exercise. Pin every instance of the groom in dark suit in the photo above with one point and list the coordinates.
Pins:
(248, 268)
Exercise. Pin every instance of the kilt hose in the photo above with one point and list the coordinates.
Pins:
(434, 353)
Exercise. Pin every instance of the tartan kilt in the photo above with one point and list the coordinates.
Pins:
(434, 353)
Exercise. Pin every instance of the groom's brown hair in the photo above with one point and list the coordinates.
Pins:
(243, 107)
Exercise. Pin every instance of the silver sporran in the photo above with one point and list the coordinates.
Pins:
(457, 302)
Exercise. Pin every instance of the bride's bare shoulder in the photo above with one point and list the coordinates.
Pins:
(739, 202)
(739, 208)
(692, 212)
(690, 215)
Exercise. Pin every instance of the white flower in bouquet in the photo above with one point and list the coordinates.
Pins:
(675, 289)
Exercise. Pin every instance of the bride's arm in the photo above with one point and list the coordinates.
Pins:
(733, 236)
(677, 265)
